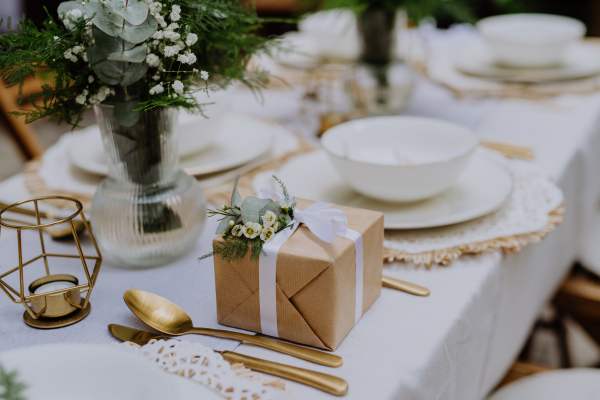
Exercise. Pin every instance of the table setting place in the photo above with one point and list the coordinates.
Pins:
(382, 228)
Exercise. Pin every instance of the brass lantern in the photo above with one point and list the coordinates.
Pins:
(58, 300)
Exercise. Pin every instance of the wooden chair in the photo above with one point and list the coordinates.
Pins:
(24, 133)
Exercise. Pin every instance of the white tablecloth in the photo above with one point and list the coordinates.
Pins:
(456, 343)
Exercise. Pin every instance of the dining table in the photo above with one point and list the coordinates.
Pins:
(457, 343)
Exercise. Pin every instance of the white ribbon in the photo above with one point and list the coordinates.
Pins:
(326, 224)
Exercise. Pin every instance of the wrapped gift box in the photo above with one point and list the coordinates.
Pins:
(316, 283)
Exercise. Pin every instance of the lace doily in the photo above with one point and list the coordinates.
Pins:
(203, 365)
(533, 210)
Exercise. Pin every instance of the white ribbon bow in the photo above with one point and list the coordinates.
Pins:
(326, 224)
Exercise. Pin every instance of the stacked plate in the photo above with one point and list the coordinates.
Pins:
(530, 48)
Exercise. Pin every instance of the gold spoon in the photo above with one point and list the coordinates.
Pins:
(168, 318)
(405, 286)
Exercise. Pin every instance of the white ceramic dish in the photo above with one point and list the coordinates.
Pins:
(482, 188)
(240, 139)
(90, 372)
(581, 61)
(530, 40)
(575, 383)
(399, 158)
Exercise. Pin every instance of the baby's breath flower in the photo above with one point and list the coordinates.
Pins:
(204, 75)
(170, 51)
(161, 20)
(80, 99)
(191, 39)
(156, 77)
(172, 36)
(158, 35)
(66, 22)
(175, 16)
(77, 49)
(178, 86)
(172, 27)
(148, 1)
(191, 57)
(157, 89)
(195, 70)
(182, 58)
(74, 13)
(56, 38)
(91, 78)
(152, 60)
(176, 9)
(155, 8)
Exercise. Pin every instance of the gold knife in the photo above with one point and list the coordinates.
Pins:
(327, 383)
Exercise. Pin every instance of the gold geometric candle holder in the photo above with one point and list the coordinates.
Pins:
(56, 300)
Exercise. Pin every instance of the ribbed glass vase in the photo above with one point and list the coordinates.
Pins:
(147, 212)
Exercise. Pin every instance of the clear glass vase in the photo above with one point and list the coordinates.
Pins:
(382, 82)
(147, 212)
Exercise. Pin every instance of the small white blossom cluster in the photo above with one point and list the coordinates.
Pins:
(71, 54)
(72, 15)
(266, 231)
(157, 89)
(97, 98)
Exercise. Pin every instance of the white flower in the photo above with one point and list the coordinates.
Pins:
(160, 20)
(91, 78)
(277, 226)
(84, 57)
(237, 230)
(56, 37)
(182, 58)
(174, 95)
(269, 218)
(191, 56)
(155, 8)
(231, 223)
(156, 77)
(178, 87)
(66, 22)
(80, 99)
(204, 75)
(172, 36)
(191, 39)
(77, 49)
(251, 230)
(74, 13)
(85, 92)
(176, 9)
(195, 70)
(175, 16)
(148, 1)
(267, 234)
(152, 60)
(158, 35)
(157, 89)
(172, 27)
(70, 56)
(170, 51)
(286, 203)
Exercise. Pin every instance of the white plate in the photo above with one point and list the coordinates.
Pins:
(240, 139)
(581, 61)
(483, 187)
(575, 383)
(191, 390)
(90, 372)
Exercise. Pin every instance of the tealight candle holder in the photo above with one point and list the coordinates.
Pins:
(55, 300)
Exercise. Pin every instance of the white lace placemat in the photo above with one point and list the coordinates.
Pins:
(533, 210)
(201, 364)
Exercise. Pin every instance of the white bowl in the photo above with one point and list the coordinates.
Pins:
(399, 159)
(530, 40)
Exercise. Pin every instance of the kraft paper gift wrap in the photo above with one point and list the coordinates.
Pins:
(316, 283)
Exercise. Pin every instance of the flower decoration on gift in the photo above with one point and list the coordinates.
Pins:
(135, 54)
(250, 223)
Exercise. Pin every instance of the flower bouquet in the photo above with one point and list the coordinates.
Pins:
(136, 63)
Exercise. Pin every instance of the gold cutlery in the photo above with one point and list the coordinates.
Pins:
(59, 233)
(170, 319)
(405, 286)
(327, 383)
(509, 150)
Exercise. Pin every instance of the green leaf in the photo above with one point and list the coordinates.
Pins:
(110, 44)
(235, 211)
(134, 73)
(135, 55)
(111, 23)
(251, 208)
(139, 33)
(236, 199)
(109, 72)
(124, 113)
(133, 11)
(224, 224)
(105, 18)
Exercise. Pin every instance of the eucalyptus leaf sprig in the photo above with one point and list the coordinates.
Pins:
(10, 387)
(249, 223)
(134, 54)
